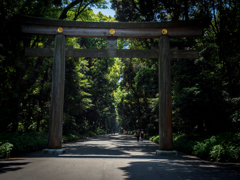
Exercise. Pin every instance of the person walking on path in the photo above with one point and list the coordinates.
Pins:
(142, 134)
(138, 134)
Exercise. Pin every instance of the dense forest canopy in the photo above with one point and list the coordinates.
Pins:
(205, 91)
(115, 93)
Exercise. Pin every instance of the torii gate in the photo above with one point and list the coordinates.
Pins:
(111, 30)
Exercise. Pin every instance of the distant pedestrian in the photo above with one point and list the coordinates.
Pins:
(138, 135)
(142, 134)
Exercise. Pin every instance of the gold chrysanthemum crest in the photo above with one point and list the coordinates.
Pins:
(60, 30)
(112, 31)
(164, 31)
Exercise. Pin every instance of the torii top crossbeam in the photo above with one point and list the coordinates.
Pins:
(48, 27)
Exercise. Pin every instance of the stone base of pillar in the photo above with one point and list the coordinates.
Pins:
(166, 153)
(54, 151)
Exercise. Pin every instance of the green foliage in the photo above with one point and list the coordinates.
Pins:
(151, 138)
(154, 139)
(25, 142)
(15, 144)
(72, 137)
(101, 131)
(147, 81)
(184, 143)
(224, 147)
(134, 132)
(5, 149)
(91, 134)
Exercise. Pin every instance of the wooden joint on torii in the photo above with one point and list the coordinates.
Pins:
(112, 31)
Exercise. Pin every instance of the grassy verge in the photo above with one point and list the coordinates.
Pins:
(223, 147)
(15, 144)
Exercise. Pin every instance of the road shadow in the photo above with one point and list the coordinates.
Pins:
(178, 168)
(7, 165)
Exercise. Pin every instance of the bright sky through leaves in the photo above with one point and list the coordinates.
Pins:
(107, 12)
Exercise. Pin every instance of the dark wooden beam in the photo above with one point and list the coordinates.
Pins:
(176, 32)
(109, 53)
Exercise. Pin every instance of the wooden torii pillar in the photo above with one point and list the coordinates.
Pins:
(111, 30)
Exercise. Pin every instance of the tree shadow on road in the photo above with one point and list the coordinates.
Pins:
(92, 149)
(11, 165)
(177, 168)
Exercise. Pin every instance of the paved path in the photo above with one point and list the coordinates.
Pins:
(115, 157)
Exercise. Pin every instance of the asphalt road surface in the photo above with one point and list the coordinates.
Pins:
(113, 157)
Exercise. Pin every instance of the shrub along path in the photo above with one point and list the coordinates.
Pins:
(115, 157)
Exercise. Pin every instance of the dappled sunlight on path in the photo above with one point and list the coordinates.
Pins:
(111, 146)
